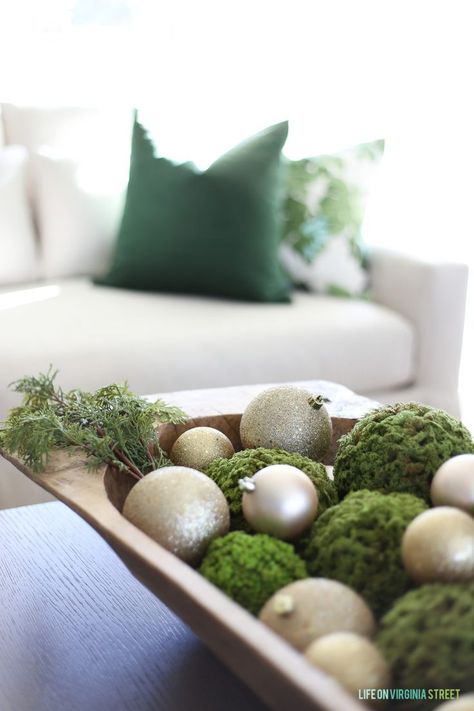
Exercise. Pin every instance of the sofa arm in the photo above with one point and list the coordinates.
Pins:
(432, 297)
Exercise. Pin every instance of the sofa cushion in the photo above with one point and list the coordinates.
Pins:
(164, 342)
(213, 232)
(77, 179)
(17, 239)
(78, 210)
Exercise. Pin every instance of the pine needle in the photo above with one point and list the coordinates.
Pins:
(112, 425)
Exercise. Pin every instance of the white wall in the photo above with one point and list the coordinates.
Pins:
(212, 72)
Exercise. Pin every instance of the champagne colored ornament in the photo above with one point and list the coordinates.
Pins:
(352, 660)
(180, 508)
(199, 446)
(464, 703)
(279, 500)
(438, 546)
(288, 418)
(453, 483)
(311, 608)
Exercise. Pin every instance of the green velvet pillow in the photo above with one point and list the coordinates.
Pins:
(214, 232)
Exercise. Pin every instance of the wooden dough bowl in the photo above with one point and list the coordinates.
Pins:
(277, 673)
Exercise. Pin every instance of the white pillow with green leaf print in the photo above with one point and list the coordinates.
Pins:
(323, 214)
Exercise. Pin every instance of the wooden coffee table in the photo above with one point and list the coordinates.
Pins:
(78, 632)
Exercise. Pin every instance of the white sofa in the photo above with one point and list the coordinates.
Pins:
(405, 344)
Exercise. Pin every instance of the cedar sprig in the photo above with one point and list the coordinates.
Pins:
(111, 425)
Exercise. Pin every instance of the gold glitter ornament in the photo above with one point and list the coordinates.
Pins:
(352, 660)
(289, 418)
(438, 546)
(311, 608)
(180, 508)
(453, 483)
(279, 500)
(199, 446)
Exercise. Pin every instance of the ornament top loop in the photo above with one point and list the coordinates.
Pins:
(283, 604)
(247, 484)
(317, 401)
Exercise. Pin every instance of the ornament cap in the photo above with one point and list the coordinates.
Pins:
(247, 484)
(317, 401)
(283, 604)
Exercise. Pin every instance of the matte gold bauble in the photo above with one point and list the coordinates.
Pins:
(453, 483)
(180, 508)
(352, 660)
(279, 500)
(438, 546)
(288, 418)
(311, 608)
(199, 446)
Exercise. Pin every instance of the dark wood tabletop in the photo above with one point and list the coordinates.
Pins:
(79, 633)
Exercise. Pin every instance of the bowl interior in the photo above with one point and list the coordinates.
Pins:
(118, 485)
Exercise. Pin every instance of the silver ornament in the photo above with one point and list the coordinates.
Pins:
(453, 483)
(438, 546)
(279, 500)
(180, 508)
(288, 418)
(199, 446)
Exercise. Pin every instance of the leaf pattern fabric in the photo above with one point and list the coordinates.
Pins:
(323, 213)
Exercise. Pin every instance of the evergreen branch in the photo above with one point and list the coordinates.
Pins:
(111, 425)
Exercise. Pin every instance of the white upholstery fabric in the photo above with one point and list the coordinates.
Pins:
(17, 240)
(161, 342)
(76, 184)
(78, 212)
(432, 297)
(2, 136)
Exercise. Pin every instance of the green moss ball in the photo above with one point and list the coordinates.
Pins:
(428, 638)
(399, 448)
(358, 543)
(227, 472)
(250, 569)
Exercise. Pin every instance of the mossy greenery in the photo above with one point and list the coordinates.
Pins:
(227, 472)
(250, 569)
(428, 639)
(399, 448)
(358, 543)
